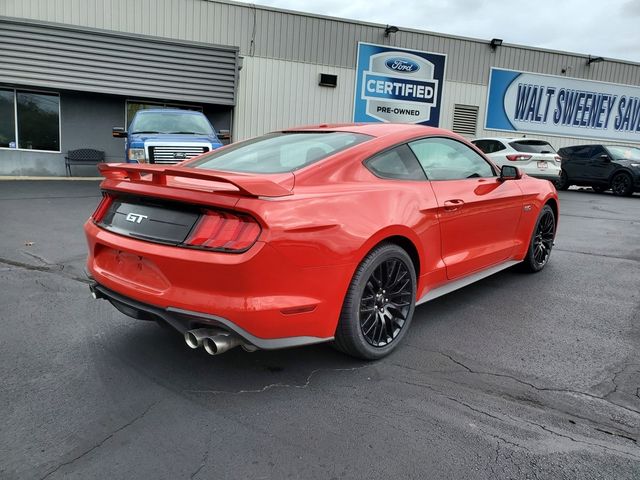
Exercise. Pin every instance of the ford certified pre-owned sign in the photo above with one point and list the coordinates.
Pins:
(397, 85)
(554, 105)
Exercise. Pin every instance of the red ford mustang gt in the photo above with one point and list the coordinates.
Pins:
(316, 234)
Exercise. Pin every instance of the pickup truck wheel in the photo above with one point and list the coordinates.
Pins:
(379, 304)
(541, 241)
(622, 184)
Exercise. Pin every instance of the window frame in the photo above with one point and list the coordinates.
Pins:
(15, 119)
(481, 155)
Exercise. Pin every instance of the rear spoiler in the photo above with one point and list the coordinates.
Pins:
(252, 186)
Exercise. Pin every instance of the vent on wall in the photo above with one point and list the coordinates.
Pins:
(465, 119)
(328, 80)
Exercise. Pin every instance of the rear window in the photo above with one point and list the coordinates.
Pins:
(278, 152)
(532, 146)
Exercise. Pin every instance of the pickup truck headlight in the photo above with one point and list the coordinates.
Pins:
(137, 155)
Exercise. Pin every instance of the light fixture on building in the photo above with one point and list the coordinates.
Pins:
(390, 29)
(591, 60)
(495, 42)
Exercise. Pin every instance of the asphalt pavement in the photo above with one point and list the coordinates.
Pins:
(517, 376)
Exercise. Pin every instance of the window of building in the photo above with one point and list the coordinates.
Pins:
(447, 159)
(7, 119)
(133, 107)
(38, 120)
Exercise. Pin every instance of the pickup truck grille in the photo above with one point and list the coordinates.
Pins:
(174, 154)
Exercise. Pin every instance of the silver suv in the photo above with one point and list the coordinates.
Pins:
(536, 158)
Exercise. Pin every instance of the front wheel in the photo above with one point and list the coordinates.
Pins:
(541, 241)
(379, 304)
(622, 184)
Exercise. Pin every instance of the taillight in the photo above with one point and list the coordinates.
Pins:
(518, 157)
(224, 231)
(102, 208)
(558, 158)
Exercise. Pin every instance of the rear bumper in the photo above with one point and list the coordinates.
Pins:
(551, 174)
(259, 294)
(184, 320)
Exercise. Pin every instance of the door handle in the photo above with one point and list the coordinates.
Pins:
(451, 205)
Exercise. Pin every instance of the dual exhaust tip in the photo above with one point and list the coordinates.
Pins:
(214, 341)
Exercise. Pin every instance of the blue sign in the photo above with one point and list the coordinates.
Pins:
(553, 105)
(398, 85)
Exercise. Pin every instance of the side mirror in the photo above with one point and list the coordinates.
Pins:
(509, 172)
(605, 158)
(118, 132)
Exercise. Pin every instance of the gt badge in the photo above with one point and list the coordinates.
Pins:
(135, 217)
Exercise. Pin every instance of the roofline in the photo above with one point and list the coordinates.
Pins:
(414, 30)
(115, 33)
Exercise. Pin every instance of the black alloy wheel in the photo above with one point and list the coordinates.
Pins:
(541, 241)
(379, 304)
(543, 238)
(622, 184)
(563, 183)
(386, 302)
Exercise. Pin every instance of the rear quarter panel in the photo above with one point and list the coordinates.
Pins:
(315, 228)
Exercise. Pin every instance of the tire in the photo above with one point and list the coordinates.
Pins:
(379, 305)
(541, 241)
(622, 184)
(563, 183)
(598, 188)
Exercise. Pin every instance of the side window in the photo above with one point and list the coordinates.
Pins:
(483, 145)
(497, 146)
(489, 146)
(597, 151)
(398, 163)
(582, 152)
(447, 159)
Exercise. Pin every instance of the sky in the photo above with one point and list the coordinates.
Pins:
(609, 28)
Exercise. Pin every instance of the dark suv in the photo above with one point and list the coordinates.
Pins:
(601, 167)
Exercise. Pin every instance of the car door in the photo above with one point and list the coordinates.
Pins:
(598, 168)
(478, 213)
(577, 165)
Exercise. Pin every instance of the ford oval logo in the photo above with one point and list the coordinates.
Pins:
(402, 65)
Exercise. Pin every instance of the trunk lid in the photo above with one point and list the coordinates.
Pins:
(175, 205)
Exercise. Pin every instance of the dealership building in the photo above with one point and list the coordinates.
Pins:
(70, 70)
